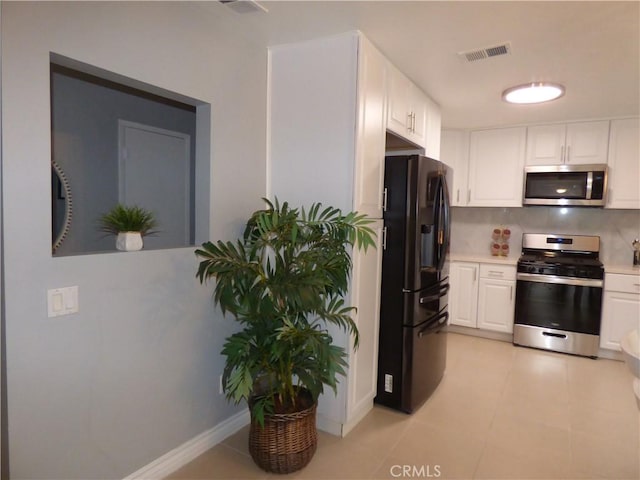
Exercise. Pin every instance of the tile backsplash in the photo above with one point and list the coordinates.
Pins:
(471, 228)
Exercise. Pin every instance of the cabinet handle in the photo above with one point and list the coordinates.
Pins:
(414, 122)
(384, 200)
(511, 293)
(458, 196)
(469, 196)
(409, 121)
(568, 154)
(561, 153)
(384, 238)
(475, 271)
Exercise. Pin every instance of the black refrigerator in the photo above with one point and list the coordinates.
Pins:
(415, 280)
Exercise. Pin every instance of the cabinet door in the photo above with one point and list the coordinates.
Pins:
(496, 164)
(365, 291)
(620, 315)
(370, 143)
(418, 109)
(587, 142)
(545, 144)
(624, 164)
(496, 304)
(434, 130)
(454, 151)
(398, 110)
(463, 296)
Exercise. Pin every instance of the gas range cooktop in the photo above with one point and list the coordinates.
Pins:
(561, 255)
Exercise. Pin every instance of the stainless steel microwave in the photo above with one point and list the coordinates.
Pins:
(565, 185)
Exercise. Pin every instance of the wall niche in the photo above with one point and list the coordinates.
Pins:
(116, 140)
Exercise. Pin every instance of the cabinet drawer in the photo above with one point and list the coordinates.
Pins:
(503, 272)
(616, 282)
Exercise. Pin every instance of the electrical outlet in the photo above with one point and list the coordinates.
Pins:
(388, 383)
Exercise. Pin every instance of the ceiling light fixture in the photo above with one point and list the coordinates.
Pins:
(537, 92)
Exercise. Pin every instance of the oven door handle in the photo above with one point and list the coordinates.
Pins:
(580, 282)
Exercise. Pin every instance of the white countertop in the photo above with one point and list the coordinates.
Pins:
(624, 269)
(479, 258)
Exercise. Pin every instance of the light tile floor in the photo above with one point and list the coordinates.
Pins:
(500, 412)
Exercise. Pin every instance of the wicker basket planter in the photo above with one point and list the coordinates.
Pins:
(287, 442)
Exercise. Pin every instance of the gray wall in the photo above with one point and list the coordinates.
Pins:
(101, 393)
(85, 145)
(472, 227)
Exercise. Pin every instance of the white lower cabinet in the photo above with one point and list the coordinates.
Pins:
(496, 297)
(620, 309)
(463, 296)
(483, 296)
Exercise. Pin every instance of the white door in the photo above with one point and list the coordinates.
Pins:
(365, 291)
(369, 179)
(155, 173)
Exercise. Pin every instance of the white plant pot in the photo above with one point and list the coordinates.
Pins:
(129, 241)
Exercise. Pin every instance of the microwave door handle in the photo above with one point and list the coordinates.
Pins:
(589, 185)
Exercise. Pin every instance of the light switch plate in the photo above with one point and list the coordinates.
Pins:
(62, 301)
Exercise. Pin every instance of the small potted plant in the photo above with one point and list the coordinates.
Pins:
(129, 224)
(284, 282)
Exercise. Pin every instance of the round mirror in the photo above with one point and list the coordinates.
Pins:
(61, 206)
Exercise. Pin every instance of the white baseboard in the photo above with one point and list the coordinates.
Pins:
(357, 415)
(328, 425)
(180, 456)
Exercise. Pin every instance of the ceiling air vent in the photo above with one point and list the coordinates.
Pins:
(244, 6)
(488, 52)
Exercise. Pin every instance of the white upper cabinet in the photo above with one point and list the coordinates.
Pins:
(399, 114)
(572, 143)
(434, 130)
(371, 126)
(454, 151)
(624, 164)
(411, 114)
(496, 165)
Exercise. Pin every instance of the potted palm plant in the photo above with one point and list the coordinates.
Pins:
(284, 282)
(129, 224)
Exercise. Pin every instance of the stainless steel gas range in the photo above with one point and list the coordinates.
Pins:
(559, 293)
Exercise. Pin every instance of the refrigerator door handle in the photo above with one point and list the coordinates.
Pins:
(441, 293)
(442, 209)
(437, 323)
(446, 220)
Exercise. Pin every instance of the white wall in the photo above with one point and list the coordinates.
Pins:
(312, 118)
(101, 393)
